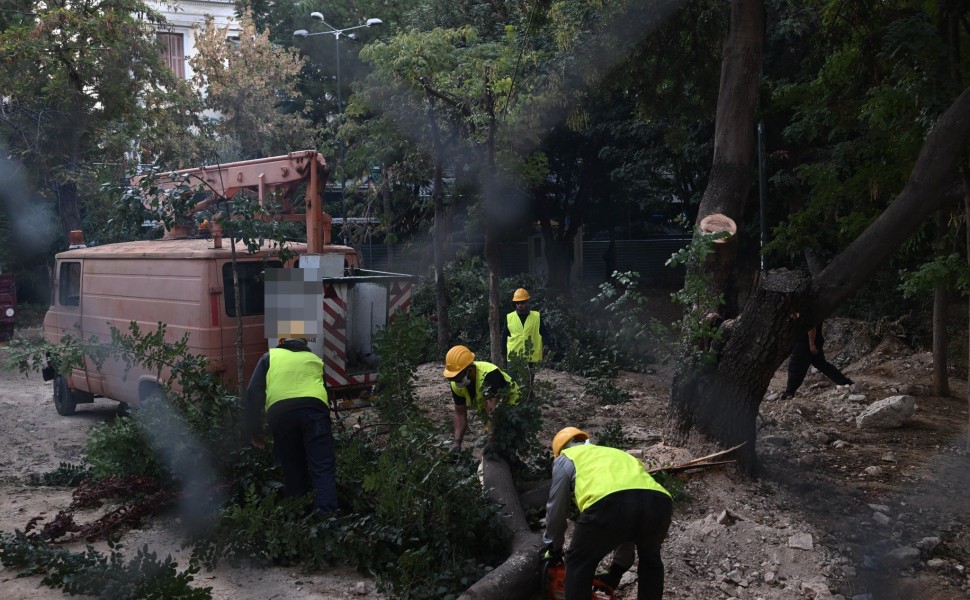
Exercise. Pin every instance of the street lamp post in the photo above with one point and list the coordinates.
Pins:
(336, 33)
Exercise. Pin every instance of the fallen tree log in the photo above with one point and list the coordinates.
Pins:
(518, 577)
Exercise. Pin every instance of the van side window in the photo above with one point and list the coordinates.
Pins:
(251, 286)
(69, 284)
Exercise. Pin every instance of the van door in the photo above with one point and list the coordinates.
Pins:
(251, 307)
(66, 318)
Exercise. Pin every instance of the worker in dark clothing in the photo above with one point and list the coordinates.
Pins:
(477, 383)
(521, 325)
(288, 384)
(808, 351)
(621, 507)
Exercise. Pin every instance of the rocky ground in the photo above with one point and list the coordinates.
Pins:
(840, 511)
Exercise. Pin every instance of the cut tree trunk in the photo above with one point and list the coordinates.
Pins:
(518, 577)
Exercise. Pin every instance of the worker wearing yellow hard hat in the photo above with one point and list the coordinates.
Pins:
(621, 508)
(478, 384)
(524, 332)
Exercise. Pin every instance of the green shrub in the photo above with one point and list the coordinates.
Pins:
(118, 448)
(91, 573)
(66, 474)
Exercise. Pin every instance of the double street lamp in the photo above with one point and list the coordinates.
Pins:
(337, 33)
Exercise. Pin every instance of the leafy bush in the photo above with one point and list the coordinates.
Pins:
(91, 573)
(606, 390)
(66, 474)
(118, 448)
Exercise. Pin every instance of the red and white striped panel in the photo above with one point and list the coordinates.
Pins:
(335, 336)
(399, 298)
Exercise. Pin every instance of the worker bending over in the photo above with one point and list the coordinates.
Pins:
(288, 384)
(621, 507)
(479, 384)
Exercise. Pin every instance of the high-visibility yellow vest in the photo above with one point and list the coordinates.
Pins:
(519, 332)
(482, 369)
(294, 375)
(600, 471)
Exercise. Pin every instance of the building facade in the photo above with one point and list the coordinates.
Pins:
(184, 18)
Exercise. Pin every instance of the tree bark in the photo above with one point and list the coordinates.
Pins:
(941, 314)
(67, 206)
(492, 256)
(438, 236)
(695, 395)
(722, 402)
(518, 577)
(734, 139)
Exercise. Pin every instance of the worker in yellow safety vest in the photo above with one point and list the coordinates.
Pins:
(478, 384)
(621, 507)
(522, 325)
(288, 385)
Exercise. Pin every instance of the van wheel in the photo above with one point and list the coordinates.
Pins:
(63, 398)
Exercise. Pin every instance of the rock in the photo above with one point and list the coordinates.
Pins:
(928, 544)
(360, 588)
(728, 589)
(887, 413)
(775, 440)
(728, 518)
(801, 541)
(840, 444)
(873, 471)
(936, 563)
(857, 398)
(889, 457)
(881, 519)
(880, 508)
(902, 557)
(817, 588)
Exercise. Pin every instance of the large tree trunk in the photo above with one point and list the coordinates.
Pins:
(518, 577)
(438, 241)
(492, 256)
(734, 139)
(693, 393)
(67, 206)
(941, 314)
(722, 402)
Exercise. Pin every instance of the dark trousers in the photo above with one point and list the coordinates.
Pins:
(638, 516)
(303, 444)
(801, 359)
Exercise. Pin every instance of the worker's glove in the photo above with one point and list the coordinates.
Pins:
(549, 553)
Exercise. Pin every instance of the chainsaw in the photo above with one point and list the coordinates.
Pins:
(554, 583)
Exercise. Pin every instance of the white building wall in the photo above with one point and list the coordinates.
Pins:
(187, 16)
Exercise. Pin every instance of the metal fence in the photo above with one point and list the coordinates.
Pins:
(647, 257)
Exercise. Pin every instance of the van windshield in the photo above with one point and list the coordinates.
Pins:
(251, 285)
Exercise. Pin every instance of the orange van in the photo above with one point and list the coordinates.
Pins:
(185, 283)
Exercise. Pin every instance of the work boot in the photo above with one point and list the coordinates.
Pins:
(611, 577)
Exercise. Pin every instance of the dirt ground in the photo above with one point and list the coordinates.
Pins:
(864, 514)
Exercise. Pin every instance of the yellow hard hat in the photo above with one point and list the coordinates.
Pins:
(566, 435)
(457, 359)
(520, 295)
